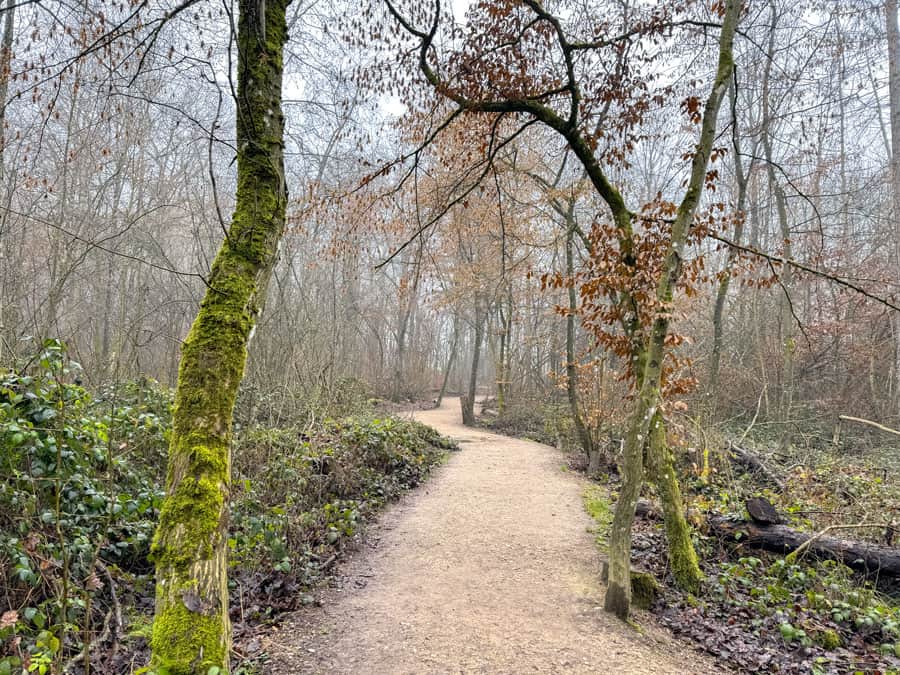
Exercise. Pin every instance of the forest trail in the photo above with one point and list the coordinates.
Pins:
(488, 568)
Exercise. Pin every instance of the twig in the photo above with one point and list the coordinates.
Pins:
(112, 624)
(804, 268)
(755, 415)
(117, 608)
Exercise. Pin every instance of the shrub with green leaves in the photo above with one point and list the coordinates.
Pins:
(810, 604)
(81, 484)
(299, 498)
(77, 490)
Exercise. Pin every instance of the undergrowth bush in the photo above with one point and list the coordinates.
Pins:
(547, 423)
(810, 605)
(81, 489)
(79, 492)
(279, 408)
(299, 497)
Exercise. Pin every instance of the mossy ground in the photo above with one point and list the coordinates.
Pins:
(598, 506)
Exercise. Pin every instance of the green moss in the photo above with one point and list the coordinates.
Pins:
(685, 566)
(596, 503)
(644, 589)
(188, 637)
(828, 638)
(197, 504)
(211, 460)
(186, 642)
(682, 556)
(140, 627)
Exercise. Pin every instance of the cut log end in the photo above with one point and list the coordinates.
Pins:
(762, 511)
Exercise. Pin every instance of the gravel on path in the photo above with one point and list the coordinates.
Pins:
(490, 567)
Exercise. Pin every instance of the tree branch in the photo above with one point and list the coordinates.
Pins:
(805, 268)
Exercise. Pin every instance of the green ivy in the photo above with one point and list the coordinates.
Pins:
(80, 496)
(819, 603)
(77, 489)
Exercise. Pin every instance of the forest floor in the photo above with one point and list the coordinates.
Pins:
(490, 567)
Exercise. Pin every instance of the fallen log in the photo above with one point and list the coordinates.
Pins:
(870, 559)
(648, 510)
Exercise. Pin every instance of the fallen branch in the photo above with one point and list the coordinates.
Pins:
(117, 608)
(754, 464)
(870, 423)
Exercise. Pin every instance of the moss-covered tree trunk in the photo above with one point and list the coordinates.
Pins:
(648, 400)
(618, 592)
(191, 631)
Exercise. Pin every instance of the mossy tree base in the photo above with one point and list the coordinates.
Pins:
(682, 555)
(618, 600)
(645, 589)
(618, 594)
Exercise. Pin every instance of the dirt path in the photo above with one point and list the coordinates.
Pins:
(490, 568)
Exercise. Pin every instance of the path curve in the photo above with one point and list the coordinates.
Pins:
(488, 568)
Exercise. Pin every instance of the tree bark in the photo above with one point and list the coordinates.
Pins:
(618, 593)
(725, 278)
(191, 630)
(503, 360)
(409, 290)
(893, 40)
(9, 23)
(468, 401)
(786, 391)
(453, 349)
(584, 435)
(5, 58)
